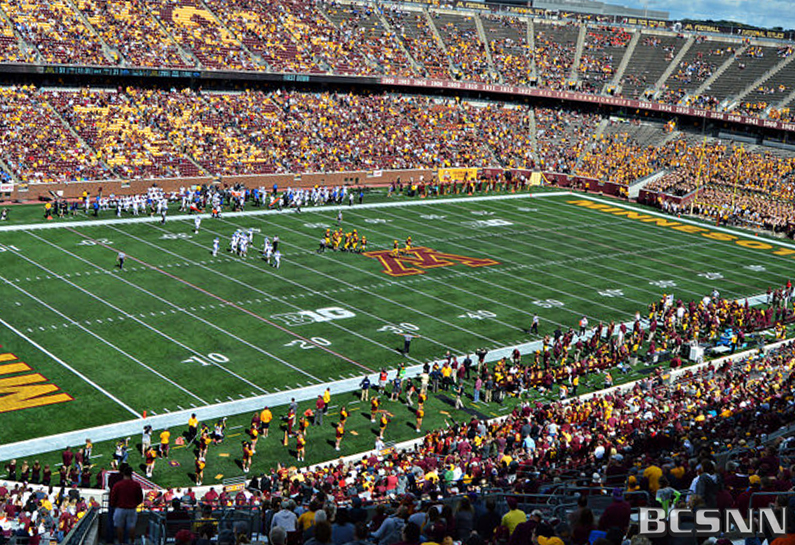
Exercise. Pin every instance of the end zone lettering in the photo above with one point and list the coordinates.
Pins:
(416, 260)
(25, 391)
(684, 227)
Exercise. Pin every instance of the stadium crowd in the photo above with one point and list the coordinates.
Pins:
(133, 133)
(35, 514)
(654, 444)
(327, 37)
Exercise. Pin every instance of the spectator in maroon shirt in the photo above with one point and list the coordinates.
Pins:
(617, 514)
(320, 406)
(125, 497)
(67, 456)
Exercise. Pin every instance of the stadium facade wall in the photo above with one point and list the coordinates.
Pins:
(73, 190)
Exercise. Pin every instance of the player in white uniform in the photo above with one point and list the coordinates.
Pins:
(277, 259)
(197, 221)
(268, 253)
(243, 247)
(265, 244)
(251, 235)
(216, 243)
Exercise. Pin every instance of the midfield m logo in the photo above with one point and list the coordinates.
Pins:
(416, 260)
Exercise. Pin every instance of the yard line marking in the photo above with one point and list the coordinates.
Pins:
(606, 225)
(395, 283)
(706, 245)
(702, 242)
(722, 249)
(399, 284)
(157, 331)
(325, 294)
(101, 339)
(250, 265)
(64, 364)
(497, 270)
(238, 307)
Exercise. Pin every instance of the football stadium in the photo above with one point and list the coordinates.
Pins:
(377, 273)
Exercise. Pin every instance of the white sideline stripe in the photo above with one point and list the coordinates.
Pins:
(147, 326)
(102, 339)
(62, 363)
(411, 443)
(88, 223)
(56, 442)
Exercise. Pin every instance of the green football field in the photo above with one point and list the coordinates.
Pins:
(180, 329)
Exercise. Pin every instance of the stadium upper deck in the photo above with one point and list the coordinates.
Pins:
(713, 71)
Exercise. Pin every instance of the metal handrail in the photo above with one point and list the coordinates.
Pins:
(77, 535)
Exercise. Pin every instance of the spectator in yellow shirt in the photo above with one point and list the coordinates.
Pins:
(514, 517)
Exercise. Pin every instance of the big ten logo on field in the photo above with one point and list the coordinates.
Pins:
(416, 260)
(25, 390)
(303, 317)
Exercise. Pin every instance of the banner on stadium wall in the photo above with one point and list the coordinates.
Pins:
(6, 187)
(473, 5)
(537, 178)
(457, 174)
(643, 21)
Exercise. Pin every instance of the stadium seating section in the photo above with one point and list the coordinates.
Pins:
(716, 72)
(72, 134)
